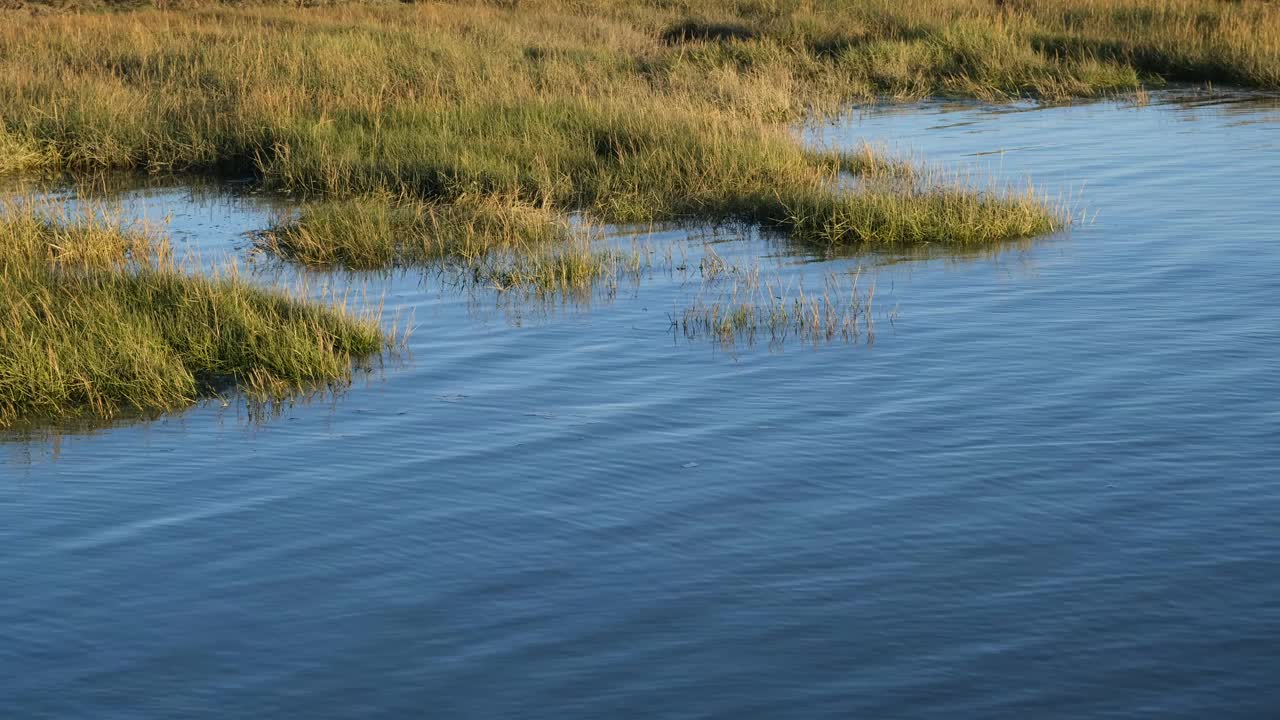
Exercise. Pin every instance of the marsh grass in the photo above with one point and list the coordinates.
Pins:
(464, 135)
(629, 111)
(474, 242)
(100, 320)
(748, 308)
(375, 232)
(898, 215)
(856, 201)
(448, 98)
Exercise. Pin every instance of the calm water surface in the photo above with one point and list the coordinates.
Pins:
(1049, 488)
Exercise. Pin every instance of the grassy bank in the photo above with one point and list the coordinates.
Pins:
(631, 111)
(99, 321)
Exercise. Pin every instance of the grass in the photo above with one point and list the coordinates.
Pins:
(100, 321)
(632, 112)
(478, 241)
(898, 216)
(896, 205)
(378, 232)
(745, 309)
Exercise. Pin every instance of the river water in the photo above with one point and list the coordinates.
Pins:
(1048, 487)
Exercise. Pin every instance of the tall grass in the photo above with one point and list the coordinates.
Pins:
(461, 133)
(895, 206)
(477, 240)
(375, 232)
(97, 320)
(746, 308)
(636, 110)
(632, 111)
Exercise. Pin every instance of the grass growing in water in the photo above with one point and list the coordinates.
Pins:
(505, 245)
(750, 309)
(99, 321)
(915, 209)
(377, 232)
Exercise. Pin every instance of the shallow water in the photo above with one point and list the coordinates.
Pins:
(1048, 488)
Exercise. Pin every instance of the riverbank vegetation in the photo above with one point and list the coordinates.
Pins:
(894, 207)
(637, 111)
(100, 320)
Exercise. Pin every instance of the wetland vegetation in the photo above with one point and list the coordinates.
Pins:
(468, 133)
(748, 307)
(631, 111)
(101, 321)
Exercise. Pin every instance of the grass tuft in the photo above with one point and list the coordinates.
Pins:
(746, 308)
(98, 321)
(375, 232)
(897, 217)
(633, 111)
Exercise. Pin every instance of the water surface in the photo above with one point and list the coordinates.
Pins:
(1049, 488)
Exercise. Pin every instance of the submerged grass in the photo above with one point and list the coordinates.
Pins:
(747, 308)
(478, 241)
(100, 321)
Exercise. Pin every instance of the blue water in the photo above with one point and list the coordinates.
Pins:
(1049, 487)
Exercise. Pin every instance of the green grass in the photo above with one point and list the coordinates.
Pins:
(99, 321)
(901, 215)
(374, 232)
(630, 111)
(745, 309)
(478, 240)
(635, 110)
(895, 206)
